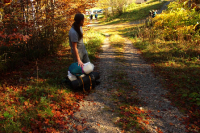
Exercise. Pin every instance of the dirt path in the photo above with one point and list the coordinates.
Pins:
(96, 108)
(163, 114)
(96, 113)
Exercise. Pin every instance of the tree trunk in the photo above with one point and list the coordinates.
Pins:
(189, 4)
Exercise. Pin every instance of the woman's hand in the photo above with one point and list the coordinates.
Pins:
(80, 63)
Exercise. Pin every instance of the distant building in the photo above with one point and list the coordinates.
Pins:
(140, 1)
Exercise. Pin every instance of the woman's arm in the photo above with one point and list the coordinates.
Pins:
(74, 45)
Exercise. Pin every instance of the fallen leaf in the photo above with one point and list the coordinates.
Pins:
(71, 131)
(84, 127)
(79, 128)
(146, 122)
(26, 103)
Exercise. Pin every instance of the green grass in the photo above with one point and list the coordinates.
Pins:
(93, 41)
(135, 12)
(117, 41)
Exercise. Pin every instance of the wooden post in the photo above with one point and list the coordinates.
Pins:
(37, 71)
(5, 56)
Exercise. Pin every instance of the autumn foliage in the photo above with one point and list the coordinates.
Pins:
(38, 105)
(43, 114)
(30, 29)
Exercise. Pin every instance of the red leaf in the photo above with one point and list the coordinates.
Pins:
(6, 1)
(24, 129)
(71, 131)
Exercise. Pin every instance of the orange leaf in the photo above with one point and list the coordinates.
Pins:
(98, 124)
(171, 124)
(139, 119)
(58, 113)
(79, 128)
(193, 126)
(26, 103)
(74, 125)
(146, 122)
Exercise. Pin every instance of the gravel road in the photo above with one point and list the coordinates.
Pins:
(96, 108)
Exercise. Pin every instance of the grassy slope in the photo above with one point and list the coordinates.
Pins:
(135, 12)
(172, 46)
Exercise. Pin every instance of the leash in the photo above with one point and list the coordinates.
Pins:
(83, 84)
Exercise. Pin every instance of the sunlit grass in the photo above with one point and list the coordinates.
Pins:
(135, 12)
(93, 41)
(116, 40)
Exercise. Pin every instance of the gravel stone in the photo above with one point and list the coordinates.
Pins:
(163, 114)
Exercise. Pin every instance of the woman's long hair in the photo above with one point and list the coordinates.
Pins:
(78, 17)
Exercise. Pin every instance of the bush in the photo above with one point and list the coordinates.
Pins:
(177, 23)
